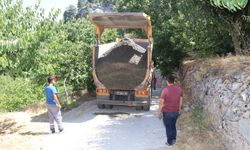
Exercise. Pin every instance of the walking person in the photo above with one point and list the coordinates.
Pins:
(53, 105)
(154, 81)
(170, 107)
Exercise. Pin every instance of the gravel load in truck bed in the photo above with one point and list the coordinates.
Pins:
(124, 65)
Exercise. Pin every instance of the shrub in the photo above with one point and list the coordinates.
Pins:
(17, 93)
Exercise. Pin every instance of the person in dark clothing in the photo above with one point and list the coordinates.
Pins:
(170, 107)
(154, 81)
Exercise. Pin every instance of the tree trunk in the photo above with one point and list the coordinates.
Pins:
(240, 41)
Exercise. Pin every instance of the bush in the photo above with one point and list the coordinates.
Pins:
(199, 118)
(17, 93)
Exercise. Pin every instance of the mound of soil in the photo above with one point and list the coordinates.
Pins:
(123, 66)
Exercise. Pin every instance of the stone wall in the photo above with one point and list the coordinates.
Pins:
(222, 87)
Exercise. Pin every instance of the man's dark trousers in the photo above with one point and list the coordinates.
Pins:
(169, 119)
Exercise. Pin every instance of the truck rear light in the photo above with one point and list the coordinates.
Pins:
(142, 93)
(102, 92)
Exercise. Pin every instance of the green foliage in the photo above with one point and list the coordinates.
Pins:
(70, 13)
(232, 5)
(16, 94)
(237, 21)
(181, 29)
(48, 47)
(26, 34)
(199, 117)
(75, 52)
(34, 47)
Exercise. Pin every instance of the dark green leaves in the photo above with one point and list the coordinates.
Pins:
(232, 5)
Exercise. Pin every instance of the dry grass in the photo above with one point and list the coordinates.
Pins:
(217, 66)
(219, 61)
(228, 62)
(35, 108)
(191, 137)
(8, 126)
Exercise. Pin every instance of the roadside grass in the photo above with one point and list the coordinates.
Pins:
(17, 93)
(21, 94)
(195, 133)
(199, 118)
(74, 98)
(72, 101)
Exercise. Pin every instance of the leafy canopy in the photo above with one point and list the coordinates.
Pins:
(231, 5)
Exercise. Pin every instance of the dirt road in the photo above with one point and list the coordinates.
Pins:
(87, 127)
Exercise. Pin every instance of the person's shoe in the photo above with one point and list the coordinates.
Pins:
(52, 131)
(168, 144)
(173, 142)
(60, 130)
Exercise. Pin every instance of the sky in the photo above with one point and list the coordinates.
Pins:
(49, 4)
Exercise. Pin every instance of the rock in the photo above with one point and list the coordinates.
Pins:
(226, 101)
(243, 77)
(244, 96)
(186, 108)
(244, 107)
(228, 94)
(231, 115)
(236, 86)
(225, 95)
(189, 128)
(245, 129)
(236, 102)
(246, 115)
(223, 109)
(198, 76)
(218, 84)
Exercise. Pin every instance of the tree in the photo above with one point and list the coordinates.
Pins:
(237, 17)
(70, 13)
(231, 5)
(181, 29)
(83, 8)
(33, 47)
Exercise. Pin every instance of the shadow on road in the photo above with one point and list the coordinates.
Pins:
(34, 133)
(40, 118)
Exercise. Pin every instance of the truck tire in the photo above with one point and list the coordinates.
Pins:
(146, 108)
(138, 108)
(100, 106)
(109, 106)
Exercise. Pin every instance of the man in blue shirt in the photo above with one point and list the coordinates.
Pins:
(53, 105)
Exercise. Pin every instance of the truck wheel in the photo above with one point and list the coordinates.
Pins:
(100, 106)
(138, 107)
(146, 108)
(109, 106)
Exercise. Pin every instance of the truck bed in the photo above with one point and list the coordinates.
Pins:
(122, 66)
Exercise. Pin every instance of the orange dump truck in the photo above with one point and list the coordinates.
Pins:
(122, 69)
